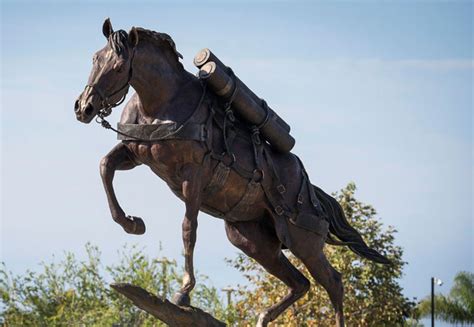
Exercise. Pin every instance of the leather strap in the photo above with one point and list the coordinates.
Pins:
(162, 131)
(244, 206)
(218, 179)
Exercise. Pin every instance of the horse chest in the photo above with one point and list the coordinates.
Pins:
(164, 158)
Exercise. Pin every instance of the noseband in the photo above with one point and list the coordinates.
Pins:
(106, 109)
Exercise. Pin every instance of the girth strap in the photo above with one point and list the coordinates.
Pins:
(218, 179)
(230, 161)
(244, 206)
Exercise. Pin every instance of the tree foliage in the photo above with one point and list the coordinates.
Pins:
(373, 295)
(76, 293)
(458, 306)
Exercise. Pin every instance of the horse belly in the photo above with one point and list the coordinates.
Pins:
(232, 202)
(236, 200)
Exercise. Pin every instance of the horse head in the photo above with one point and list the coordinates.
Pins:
(109, 79)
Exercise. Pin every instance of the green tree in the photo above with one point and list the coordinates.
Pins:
(373, 295)
(75, 293)
(458, 306)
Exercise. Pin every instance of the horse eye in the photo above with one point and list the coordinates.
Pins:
(118, 66)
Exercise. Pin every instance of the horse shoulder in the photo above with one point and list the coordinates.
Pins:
(130, 111)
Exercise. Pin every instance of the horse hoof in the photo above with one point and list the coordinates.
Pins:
(182, 299)
(137, 226)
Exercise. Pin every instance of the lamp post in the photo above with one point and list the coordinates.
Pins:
(439, 282)
(164, 273)
(229, 292)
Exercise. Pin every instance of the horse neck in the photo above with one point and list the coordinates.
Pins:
(160, 84)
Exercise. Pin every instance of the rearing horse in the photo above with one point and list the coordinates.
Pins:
(175, 127)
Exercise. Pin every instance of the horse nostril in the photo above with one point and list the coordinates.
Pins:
(76, 105)
(88, 111)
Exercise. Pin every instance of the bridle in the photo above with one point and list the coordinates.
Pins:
(107, 107)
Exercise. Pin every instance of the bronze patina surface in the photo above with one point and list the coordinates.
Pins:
(215, 161)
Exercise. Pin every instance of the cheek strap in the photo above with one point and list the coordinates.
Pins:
(106, 105)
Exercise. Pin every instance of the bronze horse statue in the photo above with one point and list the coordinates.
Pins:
(214, 164)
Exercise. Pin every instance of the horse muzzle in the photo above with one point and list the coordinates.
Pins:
(84, 113)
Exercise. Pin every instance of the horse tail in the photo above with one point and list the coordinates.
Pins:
(340, 227)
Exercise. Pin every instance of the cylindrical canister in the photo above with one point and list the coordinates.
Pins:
(205, 55)
(225, 85)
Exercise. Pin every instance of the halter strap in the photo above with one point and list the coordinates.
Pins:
(106, 105)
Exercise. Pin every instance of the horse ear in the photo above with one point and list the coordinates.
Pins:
(107, 28)
(133, 37)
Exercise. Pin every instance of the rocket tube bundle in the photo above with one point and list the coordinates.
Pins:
(245, 103)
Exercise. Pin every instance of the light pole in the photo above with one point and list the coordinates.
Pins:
(164, 272)
(229, 292)
(439, 282)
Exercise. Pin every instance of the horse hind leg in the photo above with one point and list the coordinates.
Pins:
(310, 252)
(260, 242)
(331, 280)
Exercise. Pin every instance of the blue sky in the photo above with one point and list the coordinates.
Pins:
(376, 93)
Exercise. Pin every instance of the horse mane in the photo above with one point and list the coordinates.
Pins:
(119, 41)
(159, 39)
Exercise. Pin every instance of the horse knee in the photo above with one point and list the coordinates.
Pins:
(105, 165)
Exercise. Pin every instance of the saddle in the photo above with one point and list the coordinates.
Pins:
(265, 169)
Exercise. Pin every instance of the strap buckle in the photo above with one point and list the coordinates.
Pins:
(281, 188)
(279, 210)
(256, 135)
(300, 198)
(230, 114)
(228, 159)
(204, 133)
(257, 175)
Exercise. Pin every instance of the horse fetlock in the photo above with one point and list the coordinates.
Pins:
(188, 283)
(340, 319)
(119, 218)
(263, 319)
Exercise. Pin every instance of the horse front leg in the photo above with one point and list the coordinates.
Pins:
(192, 194)
(119, 158)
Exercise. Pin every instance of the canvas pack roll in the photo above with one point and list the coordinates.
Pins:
(246, 104)
(205, 55)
